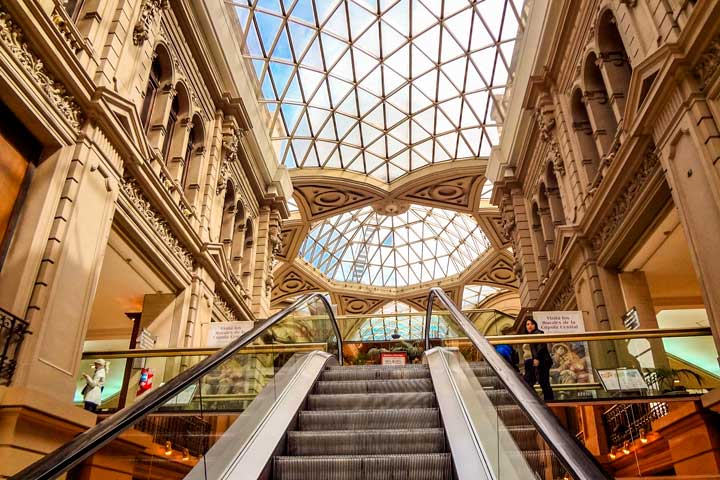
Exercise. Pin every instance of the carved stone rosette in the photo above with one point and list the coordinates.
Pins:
(546, 123)
(14, 40)
(148, 12)
(161, 227)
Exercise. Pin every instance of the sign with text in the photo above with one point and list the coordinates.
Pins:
(560, 322)
(393, 358)
(617, 379)
(571, 360)
(222, 333)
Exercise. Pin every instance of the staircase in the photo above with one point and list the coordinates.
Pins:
(541, 459)
(368, 423)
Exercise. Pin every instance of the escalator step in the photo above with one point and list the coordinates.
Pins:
(490, 382)
(538, 459)
(481, 369)
(500, 397)
(410, 366)
(512, 415)
(526, 437)
(354, 401)
(366, 442)
(369, 419)
(435, 466)
(375, 373)
(374, 386)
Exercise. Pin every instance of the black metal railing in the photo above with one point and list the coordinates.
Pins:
(12, 334)
(631, 421)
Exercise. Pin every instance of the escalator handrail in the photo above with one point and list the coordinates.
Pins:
(573, 456)
(88, 442)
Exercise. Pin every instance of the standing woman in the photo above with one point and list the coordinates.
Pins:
(537, 368)
(94, 385)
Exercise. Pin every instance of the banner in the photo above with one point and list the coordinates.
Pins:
(571, 360)
(222, 333)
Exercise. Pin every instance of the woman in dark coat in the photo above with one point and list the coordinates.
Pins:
(537, 368)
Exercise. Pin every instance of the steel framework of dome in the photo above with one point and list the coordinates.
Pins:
(380, 87)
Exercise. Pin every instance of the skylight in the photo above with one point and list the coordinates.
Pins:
(422, 244)
(380, 87)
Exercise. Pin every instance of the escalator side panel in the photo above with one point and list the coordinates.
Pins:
(246, 448)
(481, 445)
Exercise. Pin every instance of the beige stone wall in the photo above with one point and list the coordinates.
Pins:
(78, 84)
(613, 120)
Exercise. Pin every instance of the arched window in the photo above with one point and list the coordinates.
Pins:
(151, 92)
(615, 64)
(188, 156)
(170, 127)
(583, 133)
(538, 240)
(548, 226)
(601, 115)
(227, 224)
(248, 261)
(554, 197)
(238, 240)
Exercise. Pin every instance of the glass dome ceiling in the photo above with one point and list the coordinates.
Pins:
(422, 244)
(380, 87)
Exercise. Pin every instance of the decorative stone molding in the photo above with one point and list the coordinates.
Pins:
(231, 145)
(159, 225)
(67, 29)
(351, 305)
(708, 65)
(626, 199)
(222, 307)
(629, 3)
(223, 176)
(148, 12)
(546, 122)
(14, 40)
(292, 282)
(565, 293)
(276, 245)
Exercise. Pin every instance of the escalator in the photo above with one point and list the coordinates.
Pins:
(463, 413)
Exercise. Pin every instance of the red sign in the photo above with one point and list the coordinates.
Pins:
(393, 358)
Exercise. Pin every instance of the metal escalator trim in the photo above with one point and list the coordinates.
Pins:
(480, 444)
(93, 439)
(573, 456)
(250, 441)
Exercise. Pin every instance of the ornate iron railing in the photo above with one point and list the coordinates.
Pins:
(631, 421)
(12, 333)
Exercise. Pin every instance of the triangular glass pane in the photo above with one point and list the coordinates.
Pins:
(480, 37)
(269, 25)
(313, 57)
(373, 82)
(391, 80)
(300, 36)
(360, 19)
(337, 24)
(421, 17)
(281, 74)
(303, 128)
(349, 106)
(450, 48)
(321, 98)
(429, 43)
(391, 38)
(333, 49)
(363, 63)
(338, 90)
(370, 41)
(310, 80)
(304, 11)
(420, 62)
(344, 67)
(399, 61)
(282, 49)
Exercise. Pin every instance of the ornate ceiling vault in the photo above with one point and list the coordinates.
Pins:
(385, 111)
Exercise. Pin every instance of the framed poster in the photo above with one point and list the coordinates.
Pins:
(393, 358)
(571, 360)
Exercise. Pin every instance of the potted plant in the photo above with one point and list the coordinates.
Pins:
(666, 379)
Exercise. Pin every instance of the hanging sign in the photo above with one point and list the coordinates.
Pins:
(560, 322)
(222, 333)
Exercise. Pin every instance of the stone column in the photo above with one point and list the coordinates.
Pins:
(616, 73)
(602, 120)
(64, 290)
(689, 155)
(636, 293)
(516, 226)
(267, 244)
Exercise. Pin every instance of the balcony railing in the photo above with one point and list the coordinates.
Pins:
(12, 333)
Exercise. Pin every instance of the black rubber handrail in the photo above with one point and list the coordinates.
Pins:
(67, 456)
(574, 457)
